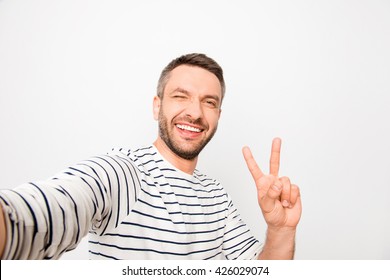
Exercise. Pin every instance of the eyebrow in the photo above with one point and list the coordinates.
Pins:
(179, 89)
(182, 90)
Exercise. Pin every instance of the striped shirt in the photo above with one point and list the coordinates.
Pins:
(134, 205)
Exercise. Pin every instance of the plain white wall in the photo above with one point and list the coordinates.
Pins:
(78, 77)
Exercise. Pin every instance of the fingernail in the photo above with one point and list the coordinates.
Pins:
(285, 203)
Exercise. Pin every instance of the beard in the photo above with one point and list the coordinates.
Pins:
(188, 152)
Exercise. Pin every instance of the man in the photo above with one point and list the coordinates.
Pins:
(152, 203)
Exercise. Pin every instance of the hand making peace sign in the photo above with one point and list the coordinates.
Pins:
(279, 200)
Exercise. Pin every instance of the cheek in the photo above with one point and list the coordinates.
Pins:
(170, 111)
(213, 119)
(175, 109)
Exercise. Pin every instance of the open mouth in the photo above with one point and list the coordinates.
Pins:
(188, 128)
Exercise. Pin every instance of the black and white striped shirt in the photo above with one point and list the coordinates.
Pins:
(134, 204)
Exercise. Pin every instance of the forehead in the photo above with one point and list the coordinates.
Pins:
(194, 80)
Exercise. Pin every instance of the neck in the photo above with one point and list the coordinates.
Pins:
(185, 165)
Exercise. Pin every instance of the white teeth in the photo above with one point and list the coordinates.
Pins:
(187, 127)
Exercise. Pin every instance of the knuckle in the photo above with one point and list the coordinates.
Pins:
(285, 179)
(295, 187)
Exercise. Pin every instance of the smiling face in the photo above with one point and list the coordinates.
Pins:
(189, 110)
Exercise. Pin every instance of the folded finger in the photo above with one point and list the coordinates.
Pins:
(295, 193)
(272, 195)
(285, 196)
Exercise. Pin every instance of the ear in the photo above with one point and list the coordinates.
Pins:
(156, 107)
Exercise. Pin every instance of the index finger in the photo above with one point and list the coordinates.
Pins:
(274, 162)
(251, 163)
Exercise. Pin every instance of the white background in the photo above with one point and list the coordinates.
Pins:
(78, 78)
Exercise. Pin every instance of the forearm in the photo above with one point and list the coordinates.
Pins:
(279, 244)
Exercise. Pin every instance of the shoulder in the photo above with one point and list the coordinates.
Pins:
(143, 158)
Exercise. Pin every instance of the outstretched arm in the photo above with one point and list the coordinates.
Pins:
(44, 219)
(280, 204)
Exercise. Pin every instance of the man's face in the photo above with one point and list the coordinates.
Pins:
(189, 111)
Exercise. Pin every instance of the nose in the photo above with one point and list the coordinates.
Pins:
(194, 109)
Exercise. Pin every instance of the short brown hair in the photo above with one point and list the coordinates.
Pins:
(192, 59)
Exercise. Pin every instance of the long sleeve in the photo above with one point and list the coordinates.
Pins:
(47, 218)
